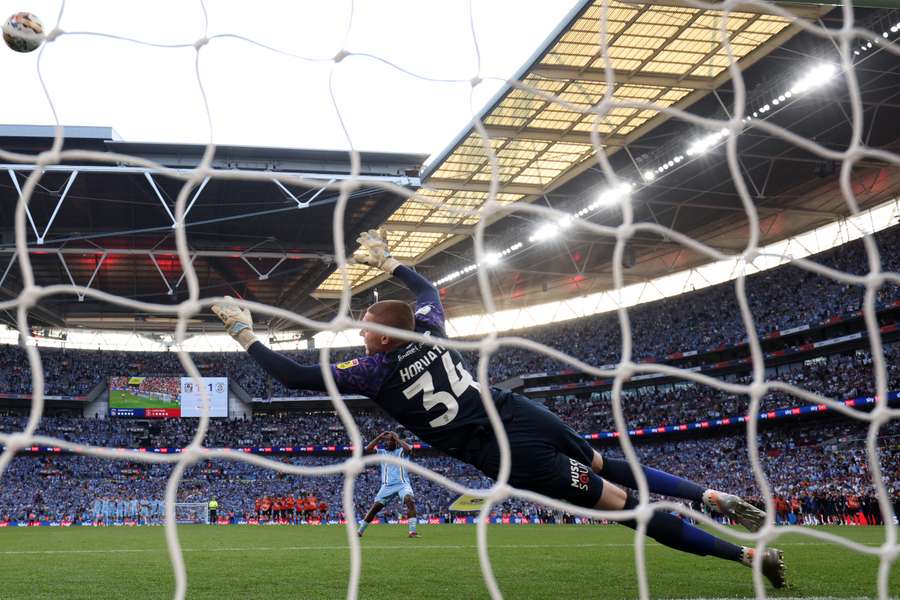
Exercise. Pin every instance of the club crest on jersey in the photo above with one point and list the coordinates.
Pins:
(579, 475)
(348, 364)
(424, 310)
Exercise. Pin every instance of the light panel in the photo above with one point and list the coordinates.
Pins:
(538, 141)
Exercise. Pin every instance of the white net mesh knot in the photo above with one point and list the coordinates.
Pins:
(189, 308)
(201, 42)
(30, 296)
(758, 389)
(341, 55)
(643, 512)
(354, 466)
(489, 344)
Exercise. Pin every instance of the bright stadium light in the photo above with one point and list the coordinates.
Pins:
(613, 195)
(816, 77)
(545, 232)
(649, 175)
(492, 258)
(706, 142)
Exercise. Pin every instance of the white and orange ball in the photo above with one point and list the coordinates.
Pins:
(23, 32)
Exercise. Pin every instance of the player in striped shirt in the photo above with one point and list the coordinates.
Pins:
(394, 481)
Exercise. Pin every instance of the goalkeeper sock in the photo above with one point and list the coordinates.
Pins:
(412, 524)
(747, 554)
(669, 530)
(362, 527)
(618, 471)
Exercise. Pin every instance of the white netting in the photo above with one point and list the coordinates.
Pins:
(732, 127)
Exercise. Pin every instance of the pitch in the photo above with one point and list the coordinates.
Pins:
(124, 399)
(275, 563)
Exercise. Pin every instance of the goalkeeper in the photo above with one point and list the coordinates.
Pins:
(426, 388)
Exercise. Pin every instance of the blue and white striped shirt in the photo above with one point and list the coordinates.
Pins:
(392, 474)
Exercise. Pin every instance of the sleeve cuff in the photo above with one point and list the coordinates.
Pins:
(390, 265)
(246, 338)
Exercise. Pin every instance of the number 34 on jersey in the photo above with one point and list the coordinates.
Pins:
(458, 378)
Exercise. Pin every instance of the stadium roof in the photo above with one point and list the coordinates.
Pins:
(667, 53)
(693, 191)
(110, 226)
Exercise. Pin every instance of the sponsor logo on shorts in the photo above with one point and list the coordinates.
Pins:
(348, 364)
(578, 475)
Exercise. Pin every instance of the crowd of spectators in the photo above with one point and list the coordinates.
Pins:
(838, 376)
(819, 471)
(814, 472)
(703, 320)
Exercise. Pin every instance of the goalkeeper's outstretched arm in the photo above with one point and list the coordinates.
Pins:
(363, 375)
(239, 325)
(375, 253)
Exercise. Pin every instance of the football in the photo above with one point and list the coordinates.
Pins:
(23, 32)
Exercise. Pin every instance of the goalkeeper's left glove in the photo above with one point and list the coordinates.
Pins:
(238, 321)
(374, 251)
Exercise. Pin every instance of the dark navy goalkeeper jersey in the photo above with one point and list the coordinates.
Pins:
(425, 387)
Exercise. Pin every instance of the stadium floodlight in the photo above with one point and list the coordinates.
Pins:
(492, 258)
(816, 77)
(545, 232)
(613, 195)
(706, 142)
(649, 176)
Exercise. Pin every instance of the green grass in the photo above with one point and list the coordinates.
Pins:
(306, 563)
(123, 399)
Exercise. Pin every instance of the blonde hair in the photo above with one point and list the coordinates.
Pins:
(393, 313)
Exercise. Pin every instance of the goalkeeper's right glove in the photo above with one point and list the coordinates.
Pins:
(374, 251)
(238, 321)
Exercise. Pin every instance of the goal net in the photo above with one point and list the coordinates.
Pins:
(726, 45)
(191, 513)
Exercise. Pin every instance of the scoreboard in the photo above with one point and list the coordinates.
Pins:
(163, 397)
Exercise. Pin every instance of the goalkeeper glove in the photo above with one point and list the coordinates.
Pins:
(237, 320)
(374, 251)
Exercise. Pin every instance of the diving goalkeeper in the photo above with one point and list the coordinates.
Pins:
(426, 388)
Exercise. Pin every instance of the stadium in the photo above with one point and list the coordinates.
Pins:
(660, 239)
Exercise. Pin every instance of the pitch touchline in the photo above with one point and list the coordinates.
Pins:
(363, 546)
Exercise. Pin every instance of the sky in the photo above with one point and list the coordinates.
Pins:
(258, 97)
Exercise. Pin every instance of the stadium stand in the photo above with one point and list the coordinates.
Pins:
(812, 484)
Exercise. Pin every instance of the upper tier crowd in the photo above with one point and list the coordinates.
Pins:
(838, 376)
(703, 320)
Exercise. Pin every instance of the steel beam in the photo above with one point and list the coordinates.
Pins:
(62, 197)
(551, 135)
(484, 186)
(93, 250)
(567, 73)
(401, 180)
(428, 227)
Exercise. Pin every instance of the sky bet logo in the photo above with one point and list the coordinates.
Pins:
(579, 475)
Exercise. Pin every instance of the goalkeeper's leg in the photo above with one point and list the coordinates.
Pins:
(670, 530)
(666, 484)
